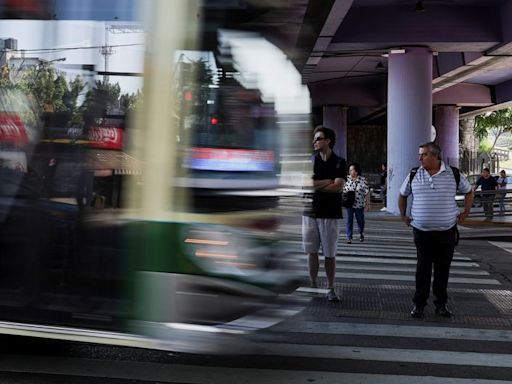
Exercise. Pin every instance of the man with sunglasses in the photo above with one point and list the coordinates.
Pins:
(321, 223)
(434, 216)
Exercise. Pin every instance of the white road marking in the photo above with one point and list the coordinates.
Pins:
(505, 245)
(389, 354)
(394, 330)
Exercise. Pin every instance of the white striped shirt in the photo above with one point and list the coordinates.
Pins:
(434, 207)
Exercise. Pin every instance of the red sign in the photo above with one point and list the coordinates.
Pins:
(106, 137)
(12, 129)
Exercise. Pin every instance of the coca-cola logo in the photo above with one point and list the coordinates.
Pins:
(12, 129)
(109, 137)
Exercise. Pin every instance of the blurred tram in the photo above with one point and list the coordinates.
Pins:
(159, 228)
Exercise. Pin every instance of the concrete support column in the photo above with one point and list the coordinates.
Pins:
(409, 114)
(447, 132)
(335, 117)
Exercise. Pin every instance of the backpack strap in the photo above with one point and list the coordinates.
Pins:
(455, 170)
(412, 174)
(456, 174)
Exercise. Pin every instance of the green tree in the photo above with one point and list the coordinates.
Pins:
(45, 86)
(130, 101)
(493, 124)
(73, 90)
(101, 100)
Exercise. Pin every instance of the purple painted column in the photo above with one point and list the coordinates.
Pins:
(409, 114)
(447, 132)
(335, 117)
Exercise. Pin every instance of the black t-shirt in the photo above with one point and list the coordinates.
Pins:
(383, 177)
(327, 205)
(487, 184)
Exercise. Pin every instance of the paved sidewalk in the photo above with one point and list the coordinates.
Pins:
(376, 278)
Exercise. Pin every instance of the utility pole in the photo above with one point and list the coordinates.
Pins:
(106, 50)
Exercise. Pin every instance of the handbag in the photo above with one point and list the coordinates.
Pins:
(348, 198)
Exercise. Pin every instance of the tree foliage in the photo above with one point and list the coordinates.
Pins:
(50, 91)
(45, 86)
(130, 101)
(493, 124)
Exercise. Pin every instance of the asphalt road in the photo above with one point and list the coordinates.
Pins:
(367, 338)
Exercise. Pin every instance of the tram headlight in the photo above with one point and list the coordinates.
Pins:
(226, 251)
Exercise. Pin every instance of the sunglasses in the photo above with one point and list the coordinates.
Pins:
(318, 139)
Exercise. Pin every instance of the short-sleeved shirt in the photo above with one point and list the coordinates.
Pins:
(434, 207)
(489, 184)
(502, 182)
(327, 205)
(360, 186)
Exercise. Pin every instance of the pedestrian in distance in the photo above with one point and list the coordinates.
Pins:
(321, 223)
(502, 191)
(384, 185)
(357, 183)
(434, 216)
(489, 186)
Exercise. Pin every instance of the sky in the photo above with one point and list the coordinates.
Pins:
(72, 37)
(80, 25)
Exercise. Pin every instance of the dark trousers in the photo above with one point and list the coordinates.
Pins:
(488, 205)
(433, 248)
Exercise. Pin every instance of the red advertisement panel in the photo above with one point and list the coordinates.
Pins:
(106, 137)
(12, 129)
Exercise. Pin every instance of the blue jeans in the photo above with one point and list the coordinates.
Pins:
(501, 200)
(359, 212)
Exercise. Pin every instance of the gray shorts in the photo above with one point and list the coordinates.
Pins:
(324, 232)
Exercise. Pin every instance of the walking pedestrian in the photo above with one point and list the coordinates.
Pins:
(322, 223)
(434, 217)
(384, 185)
(502, 190)
(357, 183)
(489, 186)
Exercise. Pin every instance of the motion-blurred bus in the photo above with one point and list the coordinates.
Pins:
(159, 226)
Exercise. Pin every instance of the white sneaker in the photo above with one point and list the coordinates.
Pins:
(332, 296)
(383, 209)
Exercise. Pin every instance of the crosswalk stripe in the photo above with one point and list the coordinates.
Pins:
(394, 330)
(354, 252)
(390, 277)
(388, 260)
(381, 276)
(143, 371)
(389, 354)
(408, 269)
(357, 248)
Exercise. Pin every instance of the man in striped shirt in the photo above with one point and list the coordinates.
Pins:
(434, 217)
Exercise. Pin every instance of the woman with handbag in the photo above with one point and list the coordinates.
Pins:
(358, 184)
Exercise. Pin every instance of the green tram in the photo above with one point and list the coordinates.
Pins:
(161, 230)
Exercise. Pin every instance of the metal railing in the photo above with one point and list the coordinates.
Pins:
(490, 204)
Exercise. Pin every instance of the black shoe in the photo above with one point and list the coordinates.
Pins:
(441, 310)
(417, 312)
(361, 238)
(349, 241)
